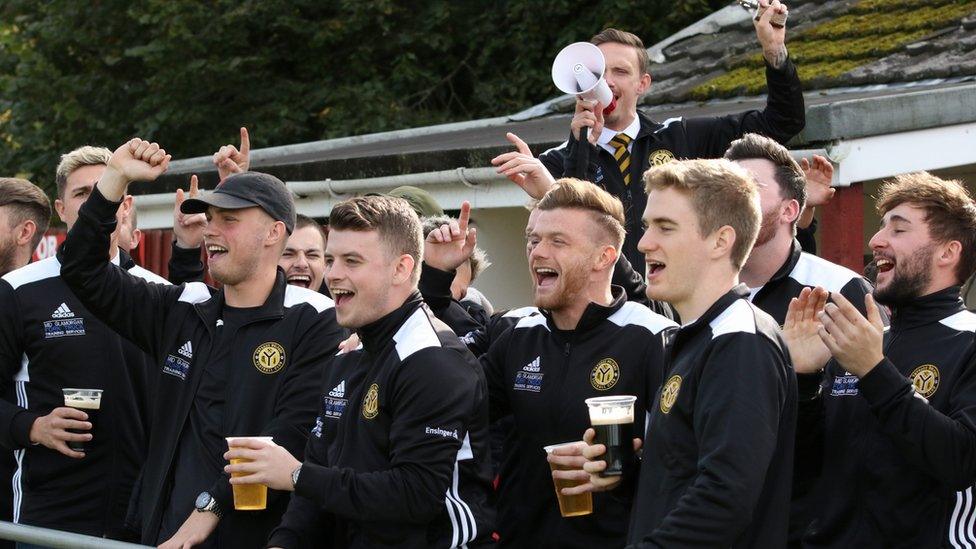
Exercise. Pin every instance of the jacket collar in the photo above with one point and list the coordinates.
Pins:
(647, 126)
(125, 260)
(273, 307)
(592, 316)
(791, 260)
(740, 291)
(928, 309)
(379, 333)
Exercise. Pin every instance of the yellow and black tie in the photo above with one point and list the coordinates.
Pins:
(622, 155)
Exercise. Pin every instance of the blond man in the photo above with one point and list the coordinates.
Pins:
(718, 465)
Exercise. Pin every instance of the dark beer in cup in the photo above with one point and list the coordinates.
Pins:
(612, 418)
(88, 401)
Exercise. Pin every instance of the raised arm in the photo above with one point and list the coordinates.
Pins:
(785, 112)
(134, 308)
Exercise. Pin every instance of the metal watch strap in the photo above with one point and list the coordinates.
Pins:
(212, 507)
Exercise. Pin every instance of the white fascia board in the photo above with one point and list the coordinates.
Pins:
(316, 198)
(881, 156)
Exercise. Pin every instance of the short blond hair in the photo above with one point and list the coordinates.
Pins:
(950, 212)
(604, 208)
(722, 194)
(78, 158)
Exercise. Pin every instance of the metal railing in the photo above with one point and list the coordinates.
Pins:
(56, 539)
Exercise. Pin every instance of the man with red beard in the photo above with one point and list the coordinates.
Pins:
(623, 143)
(25, 213)
(588, 341)
(896, 408)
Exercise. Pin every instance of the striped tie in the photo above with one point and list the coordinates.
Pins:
(622, 155)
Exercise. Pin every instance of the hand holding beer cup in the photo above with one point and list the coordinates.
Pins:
(595, 466)
(256, 464)
(566, 463)
(612, 418)
(61, 427)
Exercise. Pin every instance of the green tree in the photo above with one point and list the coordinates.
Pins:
(189, 72)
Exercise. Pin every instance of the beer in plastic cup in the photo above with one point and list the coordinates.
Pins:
(569, 506)
(88, 401)
(612, 417)
(248, 497)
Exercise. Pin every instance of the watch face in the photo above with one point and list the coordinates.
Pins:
(203, 500)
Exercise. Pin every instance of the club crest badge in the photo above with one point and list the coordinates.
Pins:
(605, 374)
(669, 393)
(925, 379)
(371, 402)
(660, 157)
(269, 358)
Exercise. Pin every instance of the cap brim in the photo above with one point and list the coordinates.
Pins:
(217, 200)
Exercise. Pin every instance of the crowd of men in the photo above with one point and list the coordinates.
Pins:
(779, 400)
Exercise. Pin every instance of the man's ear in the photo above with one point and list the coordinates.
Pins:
(24, 232)
(277, 235)
(723, 240)
(606, 258)
(949, 255)
(645, 83)
(791, 211)
(403, 269)
(59, 208)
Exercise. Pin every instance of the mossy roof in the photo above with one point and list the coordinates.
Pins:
(834, 43)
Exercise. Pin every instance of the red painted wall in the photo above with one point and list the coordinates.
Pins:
(841, 228)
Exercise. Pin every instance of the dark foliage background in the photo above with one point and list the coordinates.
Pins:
(188, 73)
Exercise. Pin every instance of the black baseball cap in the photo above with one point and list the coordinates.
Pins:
(247, 190)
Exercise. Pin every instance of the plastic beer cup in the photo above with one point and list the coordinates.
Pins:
(569, 506)
(612, 417)
(248, 497)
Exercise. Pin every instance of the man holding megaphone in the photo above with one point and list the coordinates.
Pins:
(621, 143)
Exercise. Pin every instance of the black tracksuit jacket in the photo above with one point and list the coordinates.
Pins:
(803, 270)
(682, 138)
(541, 375)
(49, 341)
(277, 398)
(399, 452)
(901, 441)
(718, 454)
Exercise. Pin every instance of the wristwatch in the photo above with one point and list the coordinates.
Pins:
(206, 503)
(294, 476)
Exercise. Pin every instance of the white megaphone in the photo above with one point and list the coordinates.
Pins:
(578, 70)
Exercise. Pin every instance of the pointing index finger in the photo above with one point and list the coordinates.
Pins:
(464, 217)
(519, 144)
(245, 141)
